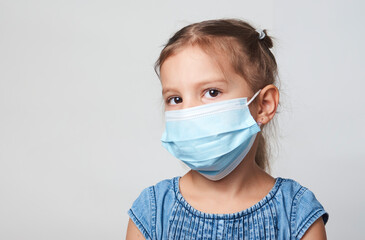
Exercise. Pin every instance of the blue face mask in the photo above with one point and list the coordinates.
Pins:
(213, 138)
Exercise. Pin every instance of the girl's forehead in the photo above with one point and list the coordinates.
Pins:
(192, 68)
(193, 62)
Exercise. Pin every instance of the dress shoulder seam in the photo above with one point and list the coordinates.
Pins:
(153, 211)
(293, 213)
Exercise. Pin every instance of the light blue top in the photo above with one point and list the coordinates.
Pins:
(286, 212)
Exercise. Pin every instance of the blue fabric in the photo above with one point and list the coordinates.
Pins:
(161, 212)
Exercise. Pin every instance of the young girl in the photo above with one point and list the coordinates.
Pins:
(218, 80)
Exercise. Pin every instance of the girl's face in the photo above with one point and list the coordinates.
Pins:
(191, 78)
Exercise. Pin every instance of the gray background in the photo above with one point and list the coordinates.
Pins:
(81, 108)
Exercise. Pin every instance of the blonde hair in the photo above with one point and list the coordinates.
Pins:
(247, 50)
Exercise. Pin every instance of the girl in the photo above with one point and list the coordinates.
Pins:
(218, 80)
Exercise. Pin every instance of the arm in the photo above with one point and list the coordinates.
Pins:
(316, 231)
(132, 232)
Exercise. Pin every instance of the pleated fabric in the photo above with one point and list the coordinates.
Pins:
(256, 222)
(160, 212)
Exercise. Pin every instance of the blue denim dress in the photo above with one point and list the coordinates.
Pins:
(286, 212)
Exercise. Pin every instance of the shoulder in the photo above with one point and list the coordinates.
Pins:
(300, 205)
(146, 208)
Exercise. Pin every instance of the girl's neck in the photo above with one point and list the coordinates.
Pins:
(243, 187)
(231, 185)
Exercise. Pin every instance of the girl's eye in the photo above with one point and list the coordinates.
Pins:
(212, 93)
(174, 100)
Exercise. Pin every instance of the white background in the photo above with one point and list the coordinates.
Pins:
(81, 108)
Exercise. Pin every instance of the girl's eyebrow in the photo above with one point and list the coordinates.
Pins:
(210, 81)
(199, 84)
(166, 90)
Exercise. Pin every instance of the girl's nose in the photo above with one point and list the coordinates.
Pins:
(191, 102)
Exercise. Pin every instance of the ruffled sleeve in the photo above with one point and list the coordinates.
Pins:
(306, 209)
(143, 212)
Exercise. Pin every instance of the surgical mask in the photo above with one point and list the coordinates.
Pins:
(212, 138)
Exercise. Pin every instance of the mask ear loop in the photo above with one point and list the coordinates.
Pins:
(254, 96)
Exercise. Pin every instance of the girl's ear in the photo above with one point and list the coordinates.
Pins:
(267, 103)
